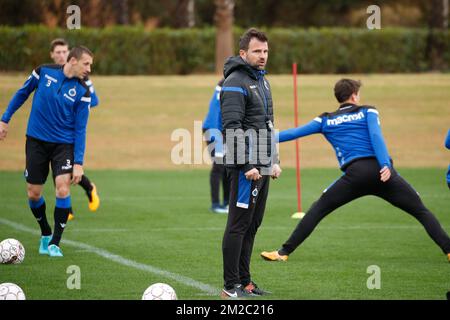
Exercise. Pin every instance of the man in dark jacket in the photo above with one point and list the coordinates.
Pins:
(250, 158)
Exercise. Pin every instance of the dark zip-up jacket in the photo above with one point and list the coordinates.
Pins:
(246, 104)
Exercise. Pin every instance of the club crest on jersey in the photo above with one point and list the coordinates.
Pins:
(255, 192)
(72, 92)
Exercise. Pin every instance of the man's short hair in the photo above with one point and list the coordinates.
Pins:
(78, 51)
(251, 33)
(58, 42)
(344, 88)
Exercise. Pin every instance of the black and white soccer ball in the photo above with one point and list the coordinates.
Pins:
(11, 251)
(159, 291)
(11, 291)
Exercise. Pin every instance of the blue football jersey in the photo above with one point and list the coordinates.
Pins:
(353, 131)
(60, 108)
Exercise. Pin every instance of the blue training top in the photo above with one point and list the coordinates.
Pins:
(60, 108)
(353, 131)
(213, 122)
(447, 144)
(213, 119)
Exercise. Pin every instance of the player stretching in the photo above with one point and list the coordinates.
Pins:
(355, 134)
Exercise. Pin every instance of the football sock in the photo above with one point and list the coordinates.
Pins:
(38, 209)
(62, 209)
(87, 186)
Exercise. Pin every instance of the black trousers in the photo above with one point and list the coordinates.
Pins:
(242, 225)
(362, 178)
(217, 176)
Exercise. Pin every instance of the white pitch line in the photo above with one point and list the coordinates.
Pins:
(97, 230)
(127, 200)
(123, 261)
(354, 227)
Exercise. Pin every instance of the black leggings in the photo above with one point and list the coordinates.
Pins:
(219, 174)
(362, 178)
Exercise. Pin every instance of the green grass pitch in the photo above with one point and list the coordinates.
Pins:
(156, 227)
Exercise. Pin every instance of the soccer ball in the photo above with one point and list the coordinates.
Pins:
(11, 251)
(159, 291)
(11, 291)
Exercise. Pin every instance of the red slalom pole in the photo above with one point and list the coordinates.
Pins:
(299, 214)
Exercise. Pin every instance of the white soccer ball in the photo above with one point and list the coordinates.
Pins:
(11, 291)
(11, 251)
(159, 291)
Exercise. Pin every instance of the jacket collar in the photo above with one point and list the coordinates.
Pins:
(347, 106)
(236, 63)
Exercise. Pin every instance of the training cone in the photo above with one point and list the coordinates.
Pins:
(298, 215)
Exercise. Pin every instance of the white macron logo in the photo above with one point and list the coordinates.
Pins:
(63, 225)
(345, 118)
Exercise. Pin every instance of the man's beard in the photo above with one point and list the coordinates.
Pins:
(257, 66)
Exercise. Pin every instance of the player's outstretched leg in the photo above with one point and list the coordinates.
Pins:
(400, 194)
(91, 193)
(339, 193)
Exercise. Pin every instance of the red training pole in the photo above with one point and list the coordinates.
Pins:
(297, 142)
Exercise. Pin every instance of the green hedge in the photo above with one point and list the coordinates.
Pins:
(132, 50)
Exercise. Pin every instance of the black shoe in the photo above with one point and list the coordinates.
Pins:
(236, 292)
(252, 288)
